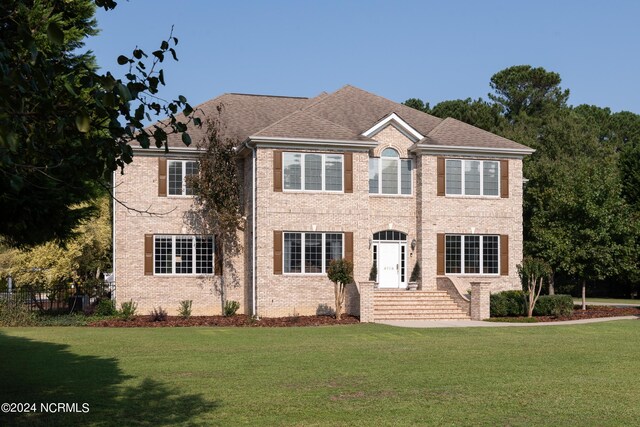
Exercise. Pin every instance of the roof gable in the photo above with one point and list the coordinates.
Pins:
(394, 120)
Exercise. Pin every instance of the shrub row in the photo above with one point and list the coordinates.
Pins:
(514, 303)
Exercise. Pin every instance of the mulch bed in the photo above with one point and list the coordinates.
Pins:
(237, 320)
(593, 312)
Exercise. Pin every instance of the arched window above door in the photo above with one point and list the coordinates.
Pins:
(398, 236)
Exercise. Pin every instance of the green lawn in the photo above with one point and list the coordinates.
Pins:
(609, 301)
(349, 375)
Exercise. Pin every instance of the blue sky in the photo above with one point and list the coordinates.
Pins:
(434, 50)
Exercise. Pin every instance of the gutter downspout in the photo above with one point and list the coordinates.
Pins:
(113, 232)
(254, 308)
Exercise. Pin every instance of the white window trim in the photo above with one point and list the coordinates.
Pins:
(379, 193)
(400, 124)
(302, 251)
(462, 180)
(184, 176)
(322, 173)
(193, 255)
(462, 242)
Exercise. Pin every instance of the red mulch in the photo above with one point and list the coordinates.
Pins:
(592, 312)
(237, 320)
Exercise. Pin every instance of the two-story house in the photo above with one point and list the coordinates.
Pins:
(342, 175)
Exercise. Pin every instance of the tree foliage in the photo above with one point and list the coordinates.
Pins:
(581, 201)
(218, 208)
(533, 272)
(340, 272)
(80, 262)
(524, 89)
(64, 127)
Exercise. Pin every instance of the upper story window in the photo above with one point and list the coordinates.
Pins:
(179, 170)
(312, 172)
(473, 177)
(389, 174)
(183, 254)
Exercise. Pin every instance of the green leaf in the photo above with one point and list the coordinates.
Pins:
(161, 77)
(123, 60)
(124, 92)
(164, 45)
(173, 53)
(55, 34)
(197, 121)
(187, 110)
(158, 54)
(186, 139)
(83, 122)
(137, 53)
(182, 99)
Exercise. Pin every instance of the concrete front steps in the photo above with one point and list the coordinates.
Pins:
(415, 305)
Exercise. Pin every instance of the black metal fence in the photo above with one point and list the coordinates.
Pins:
(59, 298)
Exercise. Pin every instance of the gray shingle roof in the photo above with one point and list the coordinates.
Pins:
(342, 115)
(454, 133)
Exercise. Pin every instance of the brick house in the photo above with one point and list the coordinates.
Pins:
(348, 174)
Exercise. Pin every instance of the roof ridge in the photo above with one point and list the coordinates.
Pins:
(265, 96)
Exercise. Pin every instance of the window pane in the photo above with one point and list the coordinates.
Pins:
(472, 254)
(333, 247)
(204, 255)
(175, 177)
(405, 176)
(292, 252)
(403, 266)
(191, 168)
(389, 176)
(389, 152)
(490, 176)
(313, 253)
(162, 252)
(472, 177)
(453, 254)
(292, 170)
(373, 176)
(490, 254)
(333, 172)
(454, 176)
(313, 172)
(184, 255)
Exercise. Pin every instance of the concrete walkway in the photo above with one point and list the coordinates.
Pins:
(482, 324)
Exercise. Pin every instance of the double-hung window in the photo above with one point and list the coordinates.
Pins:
(312, 171)
(179, 171)
(310, 253)
(472, 254)
(472, 177)
(389, 174)
(183, 254)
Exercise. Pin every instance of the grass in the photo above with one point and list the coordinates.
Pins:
(608, 301)
(348, 375)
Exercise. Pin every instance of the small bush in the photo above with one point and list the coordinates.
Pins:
(15, 313)
(105, 307)
(373, 273)
(158, 314)
(185, 309)
(128, 309)
(230, 308)
(554, 305)
(415, 273)
(508, 304)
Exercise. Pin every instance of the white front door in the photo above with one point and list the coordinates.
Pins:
(389, 265)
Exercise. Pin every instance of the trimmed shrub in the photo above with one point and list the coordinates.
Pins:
(15, 313)
(128, 309)
(415, 273)
(508, 304)
(554, 305)
(158, 314)
(230, 308)
(106, 307)
(185, 308)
